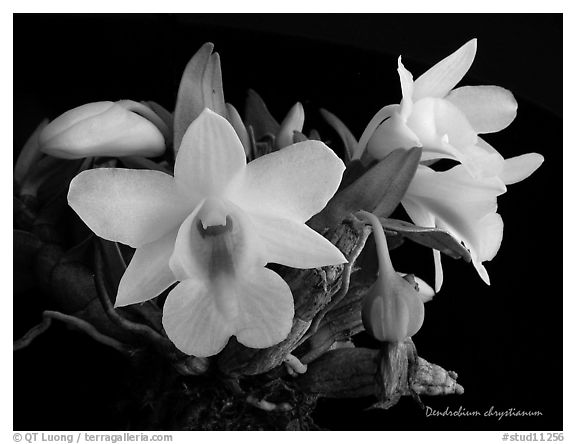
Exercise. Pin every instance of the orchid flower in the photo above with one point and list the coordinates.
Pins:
(446, 122)
(393, 309)
(213, 227)
(105, 129)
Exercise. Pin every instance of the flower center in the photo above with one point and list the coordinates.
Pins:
(221, 245)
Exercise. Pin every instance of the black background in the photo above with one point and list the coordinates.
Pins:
(505, 341)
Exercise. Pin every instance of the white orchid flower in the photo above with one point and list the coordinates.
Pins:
(446, 122)
(213, 227)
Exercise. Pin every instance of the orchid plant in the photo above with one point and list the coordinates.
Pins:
(234, 247)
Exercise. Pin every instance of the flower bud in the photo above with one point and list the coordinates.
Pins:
(101, 129)
(294, 121)
(392, 310)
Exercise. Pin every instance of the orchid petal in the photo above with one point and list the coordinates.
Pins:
(378, 118)
(210, 155)
(438, 270)
(519, 168)
(488, 108)
(193, 321)
(294, 244)
(425, 291)
(295, 182)
(391, 135)
(134, 207)
(432, 119)
(406, 80)
(445, 132)
(148, 273)
(266, 309)
(445, 75)
(482, 160)
(423, 217)
(491, 232)
(407, 86)
(491, 229)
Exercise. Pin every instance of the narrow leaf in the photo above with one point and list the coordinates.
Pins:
(399, 181)
(430, 237)
(166, 116)
(299, 137)
(236, 121)
(258, 116)
(142, 163)
(314, 135)
(381, 188)
(212, 84)
(251, 153)
(348, 139)
(29, 155)
(200, 87)
(353, 171)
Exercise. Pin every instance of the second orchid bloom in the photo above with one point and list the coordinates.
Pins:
(213, 227)
(446, 122)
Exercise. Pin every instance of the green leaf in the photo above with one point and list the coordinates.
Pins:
(200, 87)
(166, 116)
(398, 181)
(348, 139)
(430, 237)
(378, 190)
(299, 137)
(251, 153)
(353, 171)
(142, 163)
(258, 116)
(264, 146)
(29, 155)
(236, 122)
(314, 135)
(50, 175)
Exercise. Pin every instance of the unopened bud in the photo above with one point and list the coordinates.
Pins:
(294, 121)
(392, 310)
(101, 129)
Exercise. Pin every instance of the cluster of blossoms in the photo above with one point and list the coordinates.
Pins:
(212, 224)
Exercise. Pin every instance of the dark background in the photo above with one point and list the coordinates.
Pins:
(505, 341)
